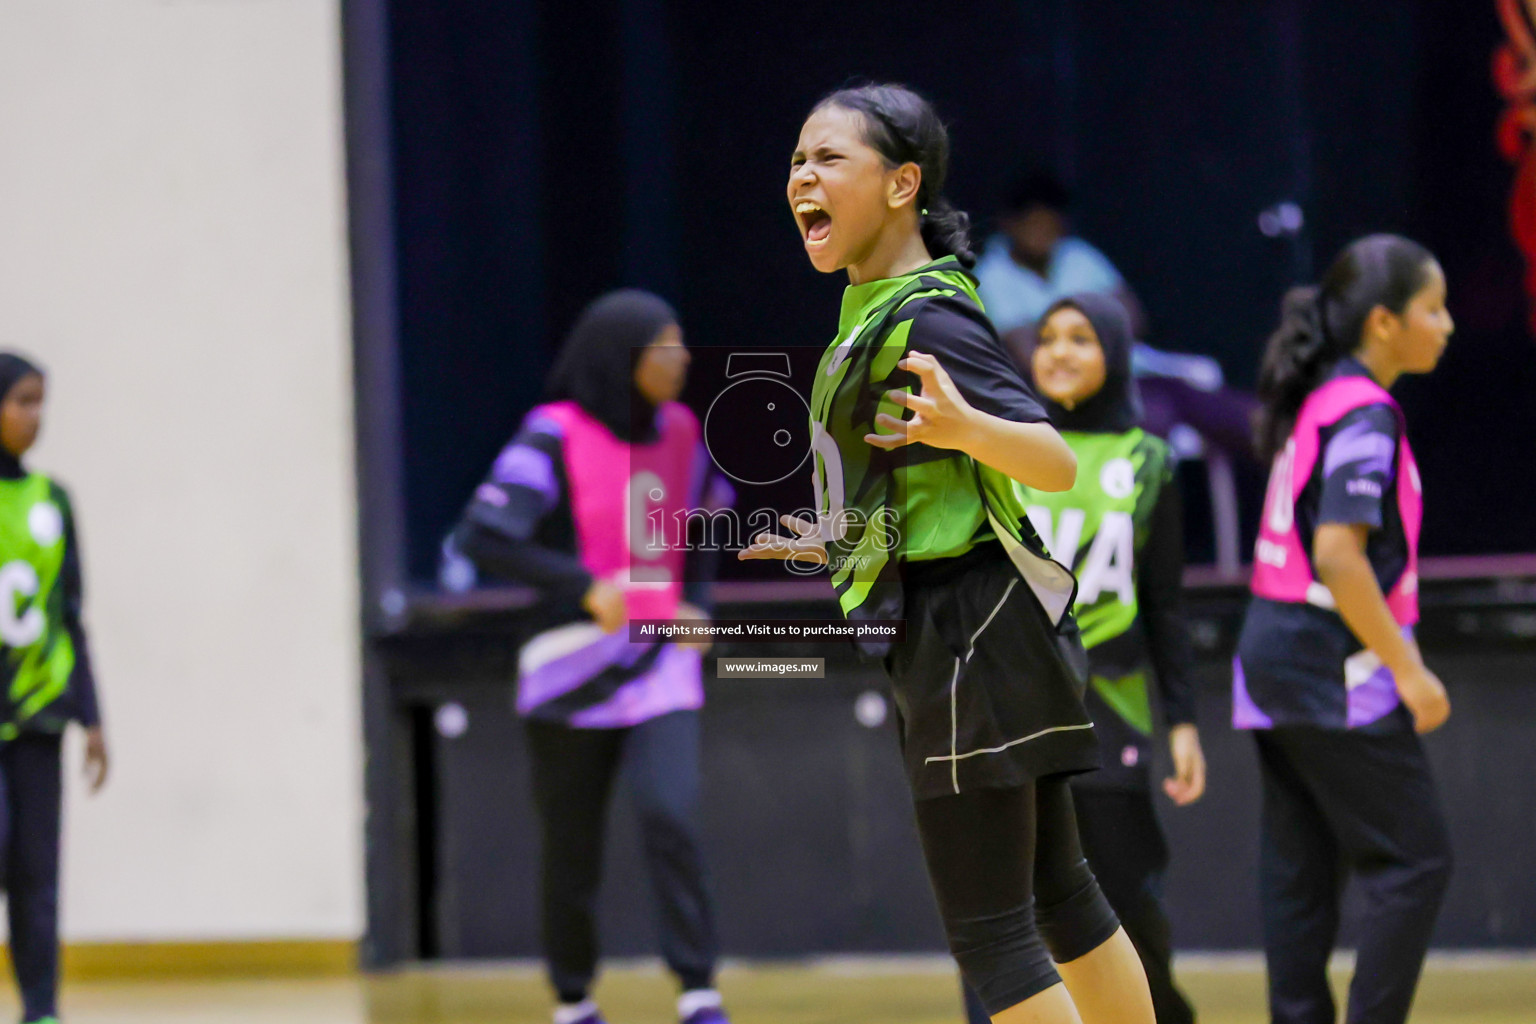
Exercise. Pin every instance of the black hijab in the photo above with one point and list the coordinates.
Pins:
(596, 365)
(12, 369)
(1115, 407)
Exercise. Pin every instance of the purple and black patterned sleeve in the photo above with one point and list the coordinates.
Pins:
(500, 528)
(1357, 465)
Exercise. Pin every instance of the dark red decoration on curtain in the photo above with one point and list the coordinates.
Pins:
(1514, 72)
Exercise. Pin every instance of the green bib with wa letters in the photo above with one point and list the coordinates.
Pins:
(1097, 527)
(37, 655)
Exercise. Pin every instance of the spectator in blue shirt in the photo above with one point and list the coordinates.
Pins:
(1034, 260)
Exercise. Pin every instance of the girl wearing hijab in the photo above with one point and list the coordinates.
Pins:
(48, 683)
(564, 511)
(1328, 675)
(1121, 529)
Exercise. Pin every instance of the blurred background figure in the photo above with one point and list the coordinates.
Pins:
(48, 684)
(1121, 529)
(560, 512)
(1328, 675)
(1034, 259)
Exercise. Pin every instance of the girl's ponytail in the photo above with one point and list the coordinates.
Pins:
(947, 232)
(1294, 360)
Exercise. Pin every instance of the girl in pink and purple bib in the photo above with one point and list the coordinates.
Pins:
(565, 511)
(1327, 673)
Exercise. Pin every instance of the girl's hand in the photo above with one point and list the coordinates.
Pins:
(1425, 696)
(943, 415)
(1188, 782)
(96, 760)
(693, 614)
(604, 601)
(805, 546)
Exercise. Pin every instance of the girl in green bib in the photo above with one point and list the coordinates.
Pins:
(920, 424)
(1121, 529)
(48, 683)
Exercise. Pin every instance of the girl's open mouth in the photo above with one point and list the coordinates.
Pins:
(815, 223)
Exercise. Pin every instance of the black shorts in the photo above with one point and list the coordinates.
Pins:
(989, 694)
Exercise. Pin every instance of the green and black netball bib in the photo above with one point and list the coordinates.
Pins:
(37, 655)
(878, 508)
(1097, 527)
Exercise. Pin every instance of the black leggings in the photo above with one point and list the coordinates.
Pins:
(1128, 853)
(30, 805)
(1011, 881)
(573, 773)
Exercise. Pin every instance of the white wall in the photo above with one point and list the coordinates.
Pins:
(172, 248)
